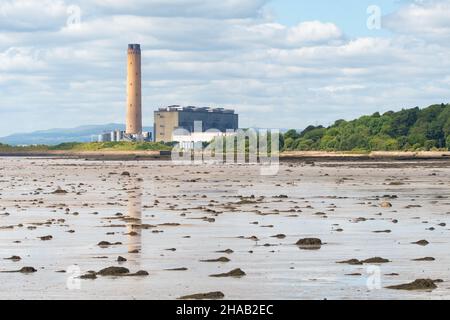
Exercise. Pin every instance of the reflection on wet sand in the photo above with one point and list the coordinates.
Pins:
(134, 222)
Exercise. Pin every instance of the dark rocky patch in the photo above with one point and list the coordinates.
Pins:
(221, 259)
(233, 273)
(13, 258)
(204, 296)
(309, 243)
(113, 271)
(425, 259)
(421, 243)
(419, 284)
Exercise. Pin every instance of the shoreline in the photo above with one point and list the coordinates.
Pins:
(284, 156)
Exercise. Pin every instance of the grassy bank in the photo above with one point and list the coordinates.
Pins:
(93, 146)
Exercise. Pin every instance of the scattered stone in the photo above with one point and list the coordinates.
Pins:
(46, 238)
(121, 259)
(204, 296)
(59, 190)
(421, 243)
(27, 270)
(233, 273)
(419, 284)
(113, 271)
(107, 244)
(90, 276)
(375, 260)
(221, 259)
(425, 259)
(309, 243)
(140, 273)
(14, 258)
(354, 274)
(351, 262)
(228, 251)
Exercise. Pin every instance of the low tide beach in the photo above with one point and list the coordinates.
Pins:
(317, 230)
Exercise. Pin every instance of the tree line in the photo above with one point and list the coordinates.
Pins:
(409, 130)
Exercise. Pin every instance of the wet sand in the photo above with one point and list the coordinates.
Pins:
(223, 229)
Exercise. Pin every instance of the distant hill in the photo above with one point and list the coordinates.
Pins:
(408, 129)
(57, 136)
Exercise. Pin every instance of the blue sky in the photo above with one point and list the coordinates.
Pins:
(350, 15)
(279, 64)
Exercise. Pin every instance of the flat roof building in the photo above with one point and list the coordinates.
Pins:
(172, 118)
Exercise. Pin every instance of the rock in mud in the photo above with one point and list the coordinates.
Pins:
(90, 276)
(375, 260)
(114, 271)
(204, 296)
(425, 259)
(14, 258)
(351, 262)
(382, 231)
(107, 244)
(59, 190)
(421, 243)
(140, 273)
(27, 270)
(221, 259)
(309, 243)
(419, 284)
(178, 269)
(233, 273)
(227, 251)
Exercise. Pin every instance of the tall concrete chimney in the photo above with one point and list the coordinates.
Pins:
(134, 96)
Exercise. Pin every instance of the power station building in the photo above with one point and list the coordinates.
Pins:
(169, 120)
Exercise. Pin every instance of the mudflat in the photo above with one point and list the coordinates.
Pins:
(87, 229)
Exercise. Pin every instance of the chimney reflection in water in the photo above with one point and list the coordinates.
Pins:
(134, 224)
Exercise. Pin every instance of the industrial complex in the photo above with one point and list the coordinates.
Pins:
(176, 120)
(171, 124)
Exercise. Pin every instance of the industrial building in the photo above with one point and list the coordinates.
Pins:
(173, 123)
(118, 135)
(169, 120)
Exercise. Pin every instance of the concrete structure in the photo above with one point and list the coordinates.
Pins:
(134, 94)
(176, 118)
(118, 135)
(104, 137)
